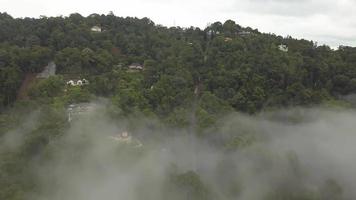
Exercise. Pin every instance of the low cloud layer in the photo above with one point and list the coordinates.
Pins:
(289, 152)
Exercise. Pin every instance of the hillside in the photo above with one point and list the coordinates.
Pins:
(238, 68)
(128, 109)
(25, 85)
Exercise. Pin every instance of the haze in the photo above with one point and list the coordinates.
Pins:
(303, 151)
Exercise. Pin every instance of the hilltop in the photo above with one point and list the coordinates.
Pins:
(144, 67)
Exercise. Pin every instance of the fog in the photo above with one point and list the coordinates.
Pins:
(288, 154)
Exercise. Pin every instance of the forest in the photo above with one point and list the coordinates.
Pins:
(236, 68)
(212, 98)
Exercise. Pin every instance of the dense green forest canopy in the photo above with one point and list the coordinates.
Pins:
(162, 83)
(232, 67)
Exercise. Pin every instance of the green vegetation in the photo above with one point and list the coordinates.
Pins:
(191, 80)
(238, 67)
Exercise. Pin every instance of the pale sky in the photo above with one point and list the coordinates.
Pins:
(331, 22)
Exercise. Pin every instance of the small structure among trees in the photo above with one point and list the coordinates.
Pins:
(244, 33)
(122, 137)
(283, 47)
(76, 110)
(227, 39)
(79, 82)
(125, 138)
(135, 67)
(49, 70)
(96, 29)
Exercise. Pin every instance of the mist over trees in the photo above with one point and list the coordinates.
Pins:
(291, 155)
(181, 100)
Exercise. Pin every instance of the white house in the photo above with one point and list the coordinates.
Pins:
(135, 66)
(283, 47)
(244, 33)
(227, 39)
(71, 83)
(85, 81)
(79, 82)
(210, 33)
(96, 29)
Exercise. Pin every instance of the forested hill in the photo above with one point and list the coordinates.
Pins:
(104, 107)
(228, 67)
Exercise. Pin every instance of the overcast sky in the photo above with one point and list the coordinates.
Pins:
(331, 22)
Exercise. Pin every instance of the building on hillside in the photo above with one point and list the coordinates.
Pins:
(126, 138)
(244, 33)
(85, 81)
(209, 33)
(71, 83)
(74, 111)
(283, 47)
(227, 39)
(122, 137)
(49, 70)
(87, 50)
(135, 66)
(79, 82)
(96, 29)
